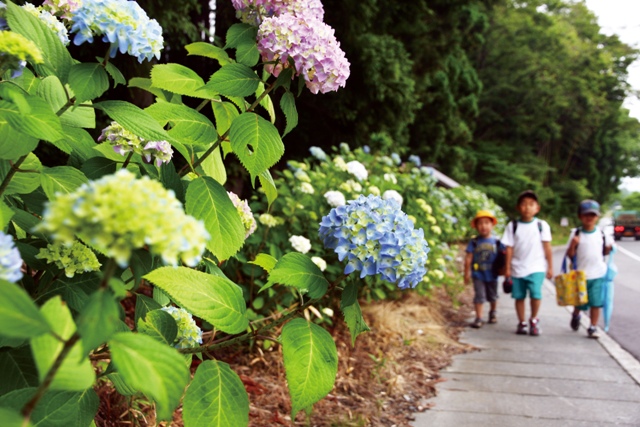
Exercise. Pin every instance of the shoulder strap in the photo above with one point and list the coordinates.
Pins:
(475, 242)
(604, 244)
(515, 227)
(577, 233)
(539, 226)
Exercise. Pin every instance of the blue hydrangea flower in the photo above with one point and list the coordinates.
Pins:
(396, 158)
(123, 24)
(366, 149)
(3, 21)
(376, 238)
(318, 153)
(189, 334)
(415, 160)
(10, 260)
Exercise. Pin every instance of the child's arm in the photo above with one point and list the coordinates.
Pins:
(549, 256)
(508, 254)
(573, 246)
(467, 267)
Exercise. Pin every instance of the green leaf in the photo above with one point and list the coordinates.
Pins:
(30, 115)
(266, 103)
(269, 187)
(13, 418)
(5, 215)
(215, 299)
(177, 78)
(97, 167)
(239, 34)
(297, 270)
(61, 179)
(57, 59)
(151, 367)
(209, 51)
(171, 180)
(247, 53)
(310, 363)
(134, 120)
(116, 75)
(144, 305)
(256, 142)
(75, 291)
(76, 372)
(208, 200)
(98, 320)
(216, 398)
(159, 325)
(56, 408)
(145, 84)
(288, 105)
(234, 80)
(265, 261)
(225, 113)
(161, 297)
(82, 144)
(352, 312)
(121, 387)
(19, 316)
(14, 144)
(24, 181)
(52, 90)
(213, 166)
(88, 81)
(27, 81)
(187, 125)
(18, 369)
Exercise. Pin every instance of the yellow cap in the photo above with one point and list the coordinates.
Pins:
(484, 214)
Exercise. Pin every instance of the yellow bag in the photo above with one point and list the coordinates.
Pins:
(571, 288)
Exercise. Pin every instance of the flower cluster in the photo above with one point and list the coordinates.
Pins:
(254, 11)
(74, 258)
(62, 8)
(335, 198)
(358, 170)
(124, 142)
(322, 264)
(415, 160)
(119, 213)
(50, 20)
(242, 206)
(189, 334)
(393, 195)
(15, 51)
(300, 244)
(376, 237)
(10, 260)
(312, 47)
(269, 220)
(318, 153)
(307, 188)
(123, 24)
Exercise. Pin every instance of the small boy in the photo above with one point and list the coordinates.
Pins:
(528, 257)
(588, 244)
(478, 264)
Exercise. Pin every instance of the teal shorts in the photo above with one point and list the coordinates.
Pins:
(531, 283)
(595, 293)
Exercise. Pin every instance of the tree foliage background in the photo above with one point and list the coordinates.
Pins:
(500, 94)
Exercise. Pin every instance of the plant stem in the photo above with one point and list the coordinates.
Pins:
(11, 173)
(203, 104)
(127, 160)
(108, 272)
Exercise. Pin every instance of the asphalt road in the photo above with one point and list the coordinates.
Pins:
(625, 320)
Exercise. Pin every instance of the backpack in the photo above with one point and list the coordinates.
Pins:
(500, 261)
(514, 224)
(604, 241)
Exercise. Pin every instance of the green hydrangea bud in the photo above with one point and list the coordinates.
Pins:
(16, 50)
(119, 213)
(74, 258)
(189, 334)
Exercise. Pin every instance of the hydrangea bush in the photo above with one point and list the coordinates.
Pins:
(111, 262)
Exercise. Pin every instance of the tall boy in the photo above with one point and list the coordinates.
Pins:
(589, 245)
(482, 251)
(528, 259)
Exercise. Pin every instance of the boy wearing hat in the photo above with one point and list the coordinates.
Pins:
(528, 259)
(482, 251)
(588, 244)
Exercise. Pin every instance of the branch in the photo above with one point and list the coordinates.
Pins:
(11, 173)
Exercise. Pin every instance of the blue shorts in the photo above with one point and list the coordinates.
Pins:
(595, 293)
(531, 283)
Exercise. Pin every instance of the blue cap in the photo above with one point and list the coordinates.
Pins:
(589, 207)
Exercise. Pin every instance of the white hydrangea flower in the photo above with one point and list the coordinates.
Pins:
(322, 264)
(307, 188)
(335, 198)
(393, 195)
(389, 177)
(340, 163)
(302, 176)
(268, 220)
(300, 244)
(358, 170)
(374, 190)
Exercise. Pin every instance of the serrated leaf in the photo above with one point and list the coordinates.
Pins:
(5, 215)
(208, 200)
(145, 84)
(14, 144)
(57, 59)
(234, 80)
(187, 125)
(18, 369)
(159, 325)
(19, 316)
(61, 179)
(269, 187)
(288, 105)
(225, 113)
(161, 297)
(27, 81)
(213, 166)
(115, 73)
(216, 398)
(209, 51)
(76, 372)
(31, 115)
(88, 81)
(256, 142)
(297, 270)
(82, 143)
(352, 312)
(98, 320)
(239, 34)
(24, 181)
(266, 261)
(215, 299)
(97, 167)
(121, 386)
(247, 53)
(310, 363)
(134, 120)
(56, 408)
(151, 367)
(176, 78)
(266, 103)
(53, 92)
(144, 304)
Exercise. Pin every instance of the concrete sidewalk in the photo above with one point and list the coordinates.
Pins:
(560, 378)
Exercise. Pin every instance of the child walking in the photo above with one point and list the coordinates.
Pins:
(528, 259)
(482, 252)
(588, 244)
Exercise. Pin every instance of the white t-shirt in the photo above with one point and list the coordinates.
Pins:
(589, 257)
(528, 253)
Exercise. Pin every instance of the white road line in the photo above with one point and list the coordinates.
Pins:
(628, 253)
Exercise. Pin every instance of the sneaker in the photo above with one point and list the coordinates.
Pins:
(575, 321)
(522, 328)
(534, 328)
(593, 332)
(477, 323)
(492, 317)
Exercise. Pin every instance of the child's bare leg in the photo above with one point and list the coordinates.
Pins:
(494, 305)
(479, 311)
(520, 309)
(535, 307)
(595, 315)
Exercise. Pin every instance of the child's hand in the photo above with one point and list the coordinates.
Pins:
(549, 273)
(467, 278)
(575, 242)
